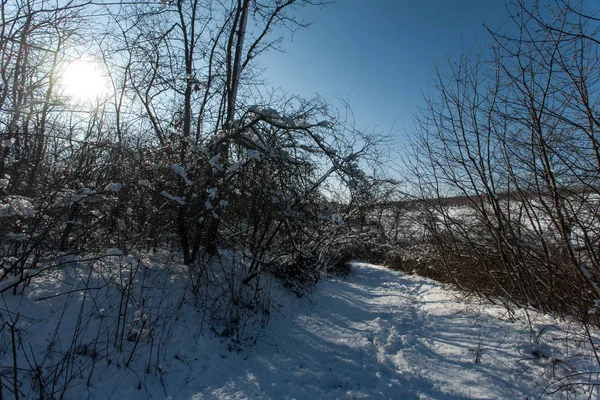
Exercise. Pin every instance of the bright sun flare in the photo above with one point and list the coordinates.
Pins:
(83, 80)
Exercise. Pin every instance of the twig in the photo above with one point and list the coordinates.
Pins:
(14, 350)
(137, 341)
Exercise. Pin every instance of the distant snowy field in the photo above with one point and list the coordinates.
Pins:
(378, 334)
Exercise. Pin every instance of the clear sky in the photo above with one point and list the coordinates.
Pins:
(379, 54)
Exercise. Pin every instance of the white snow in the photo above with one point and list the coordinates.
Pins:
(266, 111)
(179, 170)
(235, 166)
(271, 112)
(253, 154)
(377, 334)
(215, 162)
(114, 187)
(212, 193)
(16, 205)
(176, 199)
(10, 281)
(17, 236)
(114, 252)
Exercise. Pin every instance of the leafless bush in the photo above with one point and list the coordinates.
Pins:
(187, 153)
(512, 136)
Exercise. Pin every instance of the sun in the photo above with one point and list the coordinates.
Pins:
(83, 80)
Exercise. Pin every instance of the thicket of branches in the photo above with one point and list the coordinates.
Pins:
(186, 151)
(513, 133)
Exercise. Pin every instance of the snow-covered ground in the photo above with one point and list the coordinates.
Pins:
(377, 334)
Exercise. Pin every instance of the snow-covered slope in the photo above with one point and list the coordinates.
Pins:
(378, 334)
(381, 334)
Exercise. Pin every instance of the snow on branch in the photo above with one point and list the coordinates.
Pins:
(275, 118)
(179, 170)
(169, 196)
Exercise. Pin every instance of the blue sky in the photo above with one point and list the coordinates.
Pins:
(379, 55)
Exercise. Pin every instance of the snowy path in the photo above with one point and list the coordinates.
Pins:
(377, 334)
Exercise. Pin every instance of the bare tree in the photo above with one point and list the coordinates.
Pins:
(514, 135)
